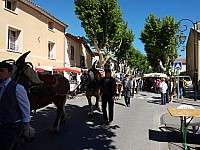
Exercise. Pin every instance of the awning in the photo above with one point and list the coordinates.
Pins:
(69, 69)
(43, 68)
(39, 69)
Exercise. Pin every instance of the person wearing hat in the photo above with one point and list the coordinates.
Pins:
(108, 92)
(127, 90)
(14, 108)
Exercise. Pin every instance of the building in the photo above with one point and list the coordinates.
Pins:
(190, 51)
(78, 52)
(27, 27)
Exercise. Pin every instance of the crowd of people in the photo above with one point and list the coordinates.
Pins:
(15, 106)
(168, 87)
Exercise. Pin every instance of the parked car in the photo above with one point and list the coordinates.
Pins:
(189, 85)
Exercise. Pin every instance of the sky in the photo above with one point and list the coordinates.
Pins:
(134, 12)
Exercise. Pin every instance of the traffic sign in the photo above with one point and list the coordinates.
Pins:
(178, 65)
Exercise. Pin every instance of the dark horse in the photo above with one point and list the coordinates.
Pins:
(90, 83)
(52, 91)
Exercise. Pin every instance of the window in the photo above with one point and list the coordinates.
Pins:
(72, 52)
(10, 4)
(82, 62)
(51, 50)
(13, 39)
(51, 25)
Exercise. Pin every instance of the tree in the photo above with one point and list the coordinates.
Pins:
(104, 25)
(107, 30)
(137, 61)
(159, 37)
(100, 19)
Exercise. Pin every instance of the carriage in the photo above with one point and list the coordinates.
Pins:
(42, 89)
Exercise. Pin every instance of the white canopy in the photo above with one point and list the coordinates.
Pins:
(159, 75)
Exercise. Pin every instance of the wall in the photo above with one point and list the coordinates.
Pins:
(34, 35)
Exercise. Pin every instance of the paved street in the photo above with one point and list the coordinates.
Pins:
(134, 128)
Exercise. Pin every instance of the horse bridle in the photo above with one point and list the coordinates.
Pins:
(20, 71)
(84, 77)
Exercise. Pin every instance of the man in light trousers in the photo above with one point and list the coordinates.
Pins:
(163, 89)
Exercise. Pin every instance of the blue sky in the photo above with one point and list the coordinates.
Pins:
(134, 12)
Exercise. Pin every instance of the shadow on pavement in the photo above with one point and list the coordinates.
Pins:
(161, 136)
(154, 102)
(156, 97)
(122, 104)
(79, 132)
(173, 136)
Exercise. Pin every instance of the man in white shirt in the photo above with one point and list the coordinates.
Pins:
(14, 109)
(163, 89)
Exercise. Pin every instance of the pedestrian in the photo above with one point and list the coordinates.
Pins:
(141, 84)
(171, 90)
(158, 86)
(132, 86)
(121, 78)
(181, 86)
(108, 92)
(163, 90)
(167, 81)
(127, 90)
(184, 85)
(137, 86)
(14, 109)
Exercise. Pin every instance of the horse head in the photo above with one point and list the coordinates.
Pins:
(86, 77)
(24, 73)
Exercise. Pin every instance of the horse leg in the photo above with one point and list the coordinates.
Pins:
(90, 105)
(120, 92)
(63, 116)
(97, 103)
(59, 102)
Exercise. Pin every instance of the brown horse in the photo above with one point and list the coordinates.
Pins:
(90, 83)
(118, 90)
(53, 90)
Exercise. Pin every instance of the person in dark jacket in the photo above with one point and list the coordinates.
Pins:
(108, 92)
(14, 109)
(127, 90)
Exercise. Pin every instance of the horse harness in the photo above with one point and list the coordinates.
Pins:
(92, 77)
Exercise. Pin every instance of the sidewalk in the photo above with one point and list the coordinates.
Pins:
(171, 125)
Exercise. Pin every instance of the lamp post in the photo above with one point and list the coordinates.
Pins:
(182, 39)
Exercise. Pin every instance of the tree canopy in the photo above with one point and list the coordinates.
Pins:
(107, 30)
(160, 41)
(100, 20)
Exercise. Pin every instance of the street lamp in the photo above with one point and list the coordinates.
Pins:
(182, 39)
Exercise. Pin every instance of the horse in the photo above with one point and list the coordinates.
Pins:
(90, 80)
(53, 90)
(118, 90)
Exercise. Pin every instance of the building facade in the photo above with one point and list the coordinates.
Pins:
(78, 52)
(191, 42)
(27, 27)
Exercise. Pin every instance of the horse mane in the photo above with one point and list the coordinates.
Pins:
(96, 72)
